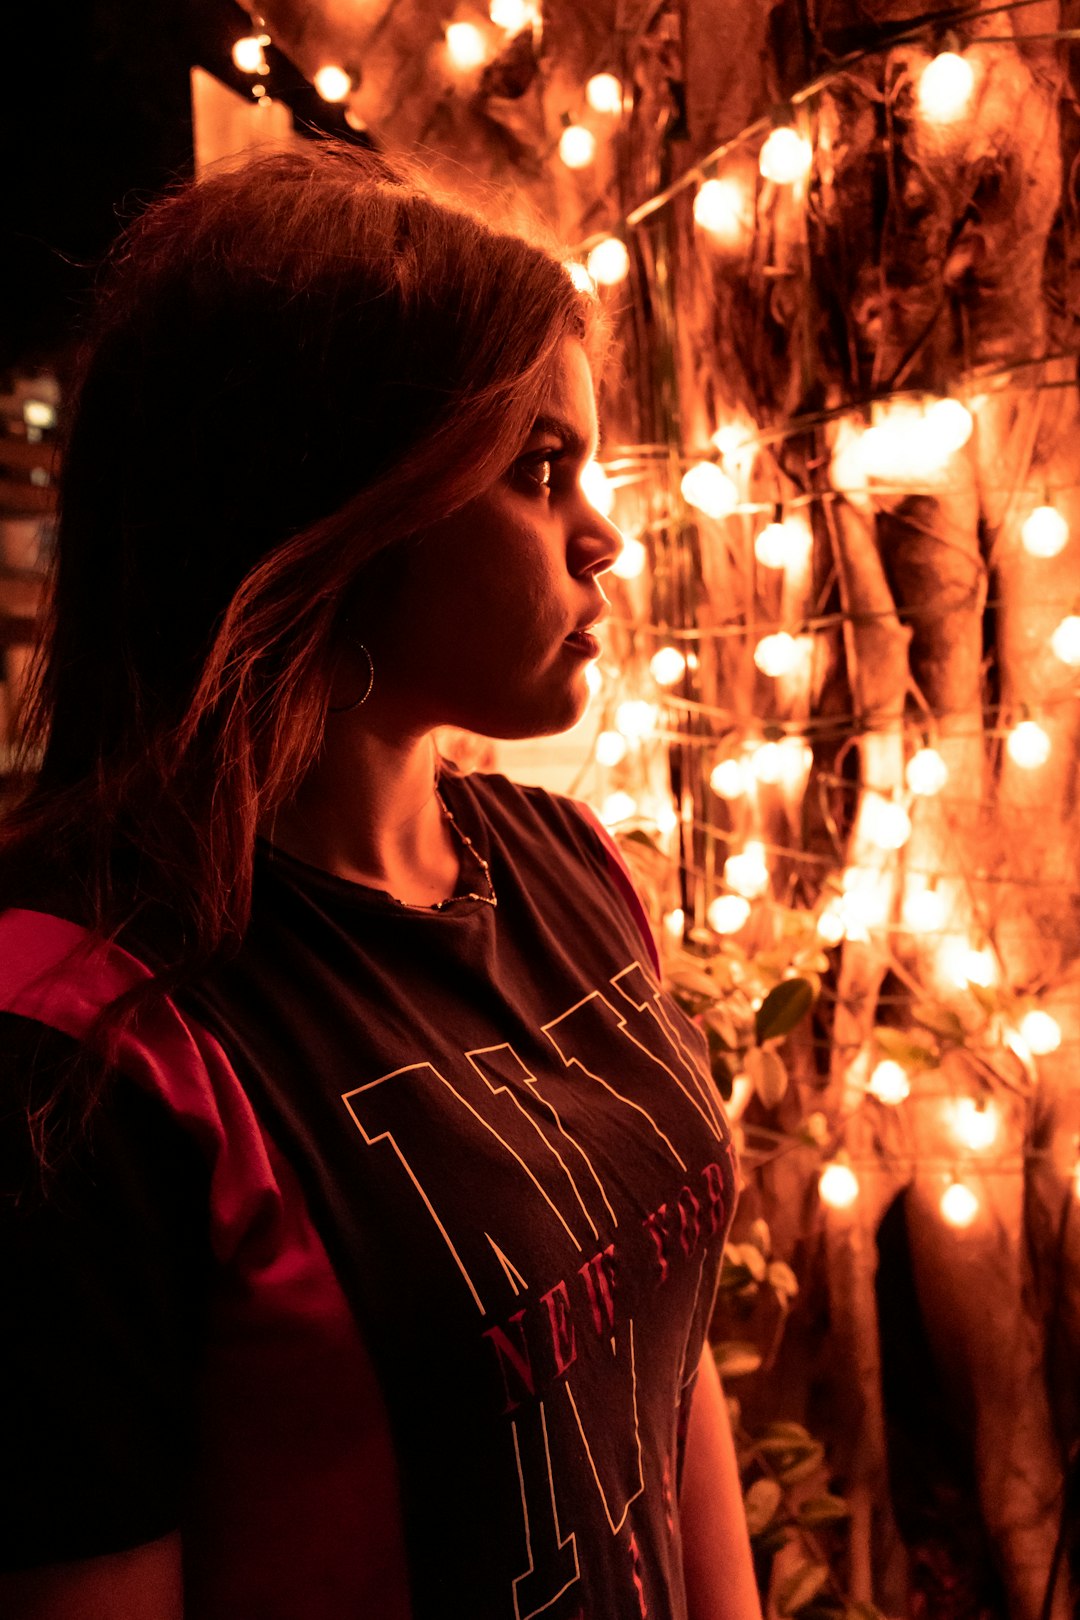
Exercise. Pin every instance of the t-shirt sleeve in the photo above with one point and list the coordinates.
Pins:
(104, 1264)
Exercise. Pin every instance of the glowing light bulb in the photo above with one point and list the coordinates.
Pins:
(886, 823)
(708, 488)
(618, 807)
(785, 544)
(604, 93)
(950, 423)
(786, 761)
(830, 924)
(777, 654)
(667, 666)
(889, 1083)
(609, 263)
(728, 779)
(865, 902)
(630, 562)
(248, 53)
(975, 1124)
(732, 438)
(720, 207)
(39, 413)
(945, 87)
(1040, 1031)
(597, 486)
(466, 45)
(847, 468)
(611, 748)
(965, 965)
(1045, 533)
(593, 679)
(636, 718)
(577, 146)
(1065, 641)
(785, 157)
(513, 15)
(728, 913)
(926, 772)
(580, 276)
(746, 871)
(924, 911)
(1028, 745)
(675, 922)
(838, 1185)
(959, 1205)
(332, 83)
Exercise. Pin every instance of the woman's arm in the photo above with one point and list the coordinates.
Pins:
(142, 1584)
(716, 1548)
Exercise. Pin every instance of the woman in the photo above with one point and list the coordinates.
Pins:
(364, 1197)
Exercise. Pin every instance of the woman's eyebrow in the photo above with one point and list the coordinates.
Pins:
(559, 428)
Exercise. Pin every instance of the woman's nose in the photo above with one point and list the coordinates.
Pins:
(600, 541)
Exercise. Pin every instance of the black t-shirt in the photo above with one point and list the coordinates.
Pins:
(504, 1140)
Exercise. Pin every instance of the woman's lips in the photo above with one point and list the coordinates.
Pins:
(585, 643)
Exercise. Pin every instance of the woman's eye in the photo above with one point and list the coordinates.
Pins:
(537, 470)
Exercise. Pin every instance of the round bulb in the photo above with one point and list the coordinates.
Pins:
(886, 823)
(513, 15)
(630, 562)
(604, 93)
(777, 654)
(848, 468)
(708, 488)
(838, 1186)
(247, 54)
(783, 545)
(746, 871)
(926, 772)
(889, 1083)
(609, 262)
(974, 1125)
(785, 156)
(39, 413)
(617, 807)
(1041, 1032)
(1045, 533)
(610, 748)
(636, 718)
(945, 87)
(577, 146)
(728, 913)
(466, 44)
(924, 911)
(1065, 641)
(597, 486)
(767, 763)
(1028, 745)
(720, 207)
(332, 83)
(950, 422)
(959, 1205)
(733, 438)
(667, 666)
(728, 779)
(830, 925)
(580, 276)
(675, 922)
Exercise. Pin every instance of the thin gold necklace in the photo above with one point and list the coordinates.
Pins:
(489, 899)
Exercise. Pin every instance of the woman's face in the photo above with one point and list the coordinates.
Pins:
(476, 633)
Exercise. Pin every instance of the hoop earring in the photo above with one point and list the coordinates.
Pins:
(347, 708)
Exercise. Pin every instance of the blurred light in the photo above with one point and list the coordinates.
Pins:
(911, 440)
(580, 276)
(610, 748)
(1045, 533)
(355, 121)
(924, 911)
(666, 818)
(604, 93)
(950, 422)
(248, 54)
(865, 902)
(577, 146)
(886, 823)
(636, 718)
(332, 83)
(675, 922)
(838, 1186)
(746, 871)
(777, 654)
(965, 965)
(733, 437)
(1065, 641)
(785, 156)
(593, 679)
(786, 761)
(597, 486)
(721, 207)
(830, 924)
(466, 44)
(1028, 745)
(728, 779)
(39, 413)
(513, 15)
(975, 1124)
(667, 666)
(631, 559)
(609, 262)
(848, 470)
(926, 772)
(708, 488)
(945, 87)
(728, 913)
(618, 807)
(1041, 1032)
(784, 544)
(889, 1083)
(959, 1205)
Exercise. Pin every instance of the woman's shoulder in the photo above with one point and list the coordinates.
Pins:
(506, 802)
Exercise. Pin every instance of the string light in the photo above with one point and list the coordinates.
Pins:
(924, 911)
(577, 146)
(728, 913)
(721, 208)
(786, 761)
(618, 807)
(864, 904)
(746, 872)
(466, 45)
(1040, 1032)
(777, 654)
(959, 1205)
(926, 772)
(630, 562)
(513, 15)
(1028, 745)
(611, 748)
(975, 1124)
(708, 488)
(604, 93)
(945, 87)
(249, 54)
(964, 964)
(838, 1185)
(784, 544)
(786, 156)
(830, 925)
(636, 719)
(609, 262)
(675, 922)
(913, 440)
(728, 779)
(733, 438)
(1065, 641)
(597, 486)
(889, 1083)
(884, 822)
(593, 679)
(1045, 532)
(667, 666)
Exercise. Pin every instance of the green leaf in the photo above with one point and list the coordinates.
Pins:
(942, 1020)
(802, 1467)
(785, 1434)
(771, 1540)
(760, 1236)
(783, 1008)
(827, 1509)
(800, 1587)
(734, 1358)
(902, 1049)
(782, 1280)
(693, 981)
(766, 1071)
(762, 1502)
(752, 1258)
